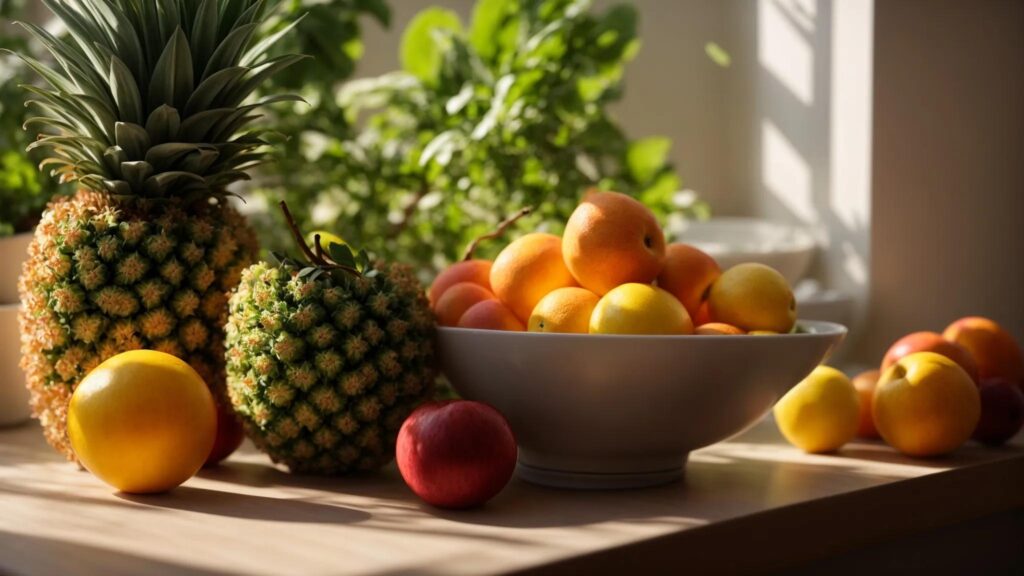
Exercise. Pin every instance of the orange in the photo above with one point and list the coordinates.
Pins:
(995, 351)
(457, 299)
(564, 310)
(688, 274)
(491, 315)
(528, 269)
(717, 329)
(865, 383)
(612, 239)
(753, 297)
(925, 405)
(639, 309)
(475, 271)
(143, 421)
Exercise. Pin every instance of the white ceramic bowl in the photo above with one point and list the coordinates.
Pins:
(603, 411)
(14, 407)
(731, 241)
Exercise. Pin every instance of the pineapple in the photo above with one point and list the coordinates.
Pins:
(326, 358)
(145, 111)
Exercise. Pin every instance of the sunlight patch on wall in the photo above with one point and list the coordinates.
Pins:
(785, 173)
(783, 47)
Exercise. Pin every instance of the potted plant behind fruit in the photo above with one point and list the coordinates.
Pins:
(505, 111)
(24, 192)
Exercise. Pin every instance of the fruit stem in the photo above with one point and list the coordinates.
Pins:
(468, 255)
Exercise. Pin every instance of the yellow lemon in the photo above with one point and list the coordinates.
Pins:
(143, 421)
(821, 413)
(639, 309)
(326, 239)
(564, 310)
(753, 297)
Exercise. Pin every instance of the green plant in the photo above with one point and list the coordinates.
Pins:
(24, 191)
(509, 112)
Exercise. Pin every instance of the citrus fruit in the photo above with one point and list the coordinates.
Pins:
(926, 405)
(527, 270)
(612, 239)
(143, 421)
(821, 413)
(475, 271)
(457, 300)
(753, 297)
(564, 310)
(639, 309)
(491, 315)
(688, 274)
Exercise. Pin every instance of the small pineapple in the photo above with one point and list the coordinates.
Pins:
(145, 111)
(326, 358)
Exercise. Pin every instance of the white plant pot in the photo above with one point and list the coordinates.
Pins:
(13, 252)
(14, 407)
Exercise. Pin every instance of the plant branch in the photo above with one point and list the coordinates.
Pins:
(298, 235)
(407, 214)
(496, 233)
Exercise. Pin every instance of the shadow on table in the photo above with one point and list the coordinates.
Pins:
(23, 554)
(248, 506)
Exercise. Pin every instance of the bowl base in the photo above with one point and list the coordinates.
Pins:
(570, 480)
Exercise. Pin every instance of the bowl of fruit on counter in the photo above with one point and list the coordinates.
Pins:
(612, 354)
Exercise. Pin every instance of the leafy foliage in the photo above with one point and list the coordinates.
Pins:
(24, 191)
(481, 121)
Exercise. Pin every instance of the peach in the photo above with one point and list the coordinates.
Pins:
(457, 300)
(612, 239)
(703, 315)
(475, 271)
(931, 342)
(491, 315)
(995, 351)
(688, 275)
(865, 383)
(527, 270)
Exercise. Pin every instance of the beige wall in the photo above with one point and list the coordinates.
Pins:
(948, 214)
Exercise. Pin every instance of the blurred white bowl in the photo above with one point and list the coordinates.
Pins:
(731, 241)
(14, 407)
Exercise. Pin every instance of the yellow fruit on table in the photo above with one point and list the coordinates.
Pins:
(639, 309)
(753, 297)
(143, 421)
(821, 413)
(925, 405)
(566, 310)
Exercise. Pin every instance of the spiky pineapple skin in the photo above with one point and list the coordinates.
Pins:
(323, 371)
(104, 277)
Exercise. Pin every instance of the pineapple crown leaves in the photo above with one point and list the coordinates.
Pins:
(338, 259)
(148, 98)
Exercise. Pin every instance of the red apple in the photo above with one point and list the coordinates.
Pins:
(456, 454)
(229, 436)
(1002, 411)
(931, 342)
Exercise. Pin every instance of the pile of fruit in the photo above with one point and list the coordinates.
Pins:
(932, 393)
(611, 273)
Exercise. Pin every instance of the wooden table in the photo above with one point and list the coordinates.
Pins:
(750, 504)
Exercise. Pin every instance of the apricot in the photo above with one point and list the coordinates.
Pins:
(995, 351)
(688, 275)
(475, 271)
(457, 300)
(717, 329)
(565, 310)
(527, 270)
(931, 342)
(491, 315)
(612, 239)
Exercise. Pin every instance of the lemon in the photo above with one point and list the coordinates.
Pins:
(143, 421)
(326, 239)
(821, 413)
(753, 297)
(639, 309)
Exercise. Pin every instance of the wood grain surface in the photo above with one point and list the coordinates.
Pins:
(749, 504)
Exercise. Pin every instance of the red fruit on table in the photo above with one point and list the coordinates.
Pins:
(931, 342)
(229, 436)
(996, 352)
(456, 454)
(1002, 411)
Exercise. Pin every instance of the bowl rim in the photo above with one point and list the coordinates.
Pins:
(818, 329)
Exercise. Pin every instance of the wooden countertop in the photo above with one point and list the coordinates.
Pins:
(753, 503)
